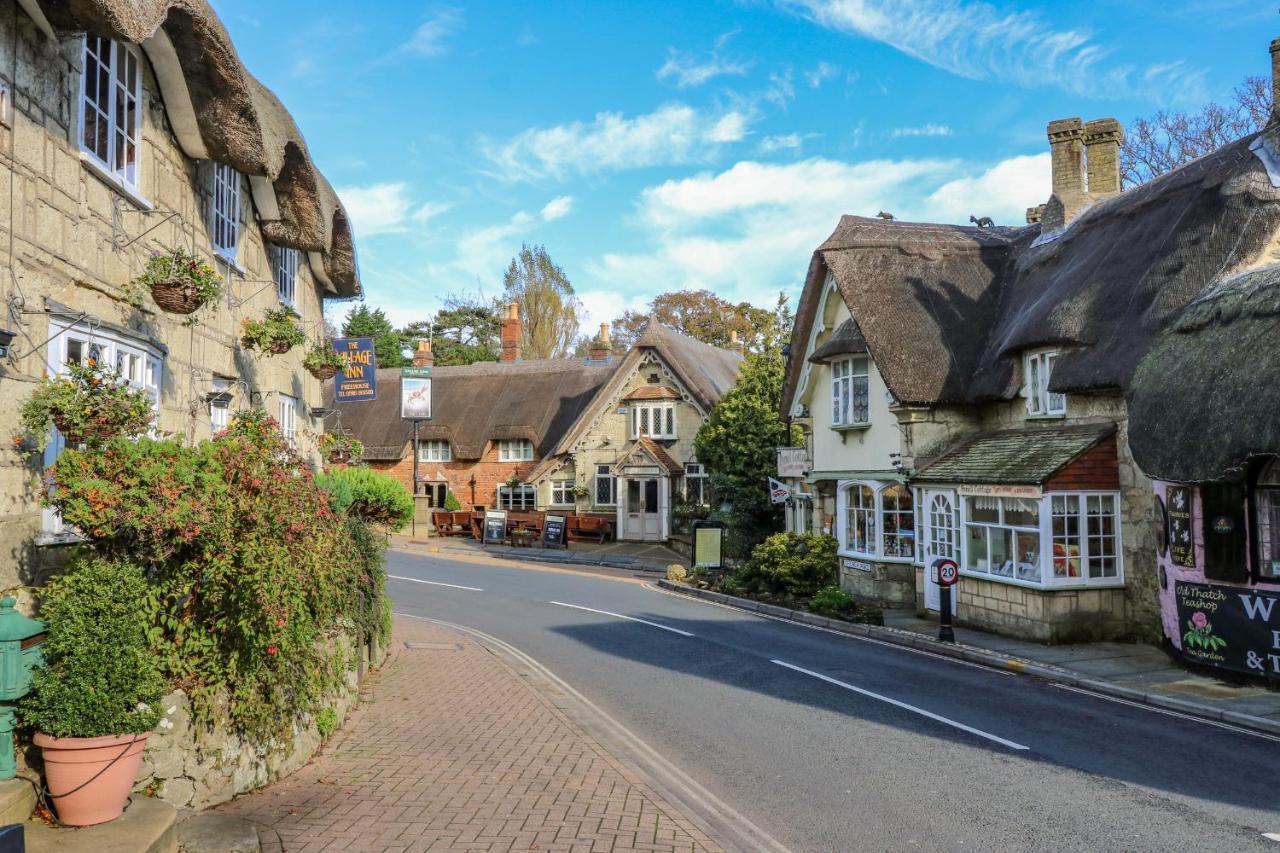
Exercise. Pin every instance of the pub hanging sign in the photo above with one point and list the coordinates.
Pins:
(357, 381)
(1229, 627)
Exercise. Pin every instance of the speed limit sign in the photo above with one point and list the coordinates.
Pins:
(945, 572)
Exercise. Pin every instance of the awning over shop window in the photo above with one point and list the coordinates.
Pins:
(1014, 457)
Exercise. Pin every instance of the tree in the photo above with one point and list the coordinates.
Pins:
(1169, 139)
(366, 322)
(466, 330)
(737, 443)
(703, 315)
(550, 313)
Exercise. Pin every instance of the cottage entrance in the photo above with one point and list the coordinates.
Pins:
(942, 539)
(642, 509)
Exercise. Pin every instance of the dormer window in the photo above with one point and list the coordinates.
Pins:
(110, 110)
(653, 420)
(1037, 368)
(515, 450)
(849, 393)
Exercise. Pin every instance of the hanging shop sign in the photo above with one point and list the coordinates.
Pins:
(1182, 543)
(357, 381)
(1230, 627)
(1000, 490)
(778, 493)
(792, 461)
(415, 393)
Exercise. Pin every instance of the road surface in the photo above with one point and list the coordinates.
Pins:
(830, 743)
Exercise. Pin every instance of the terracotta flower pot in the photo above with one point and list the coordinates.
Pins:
(89, 778)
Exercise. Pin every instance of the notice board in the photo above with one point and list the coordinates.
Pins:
(495, 527)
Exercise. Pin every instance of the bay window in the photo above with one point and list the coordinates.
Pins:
(519, 497)
(849, 392)
(653, 420)
(898, 528)
(1002, 537)
(876, 520)
(860, 520)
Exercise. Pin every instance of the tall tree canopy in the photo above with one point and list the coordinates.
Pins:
(366, 322)
(1172, 138)
(550, 313)
(738, 443)
(703, 315)
(464, 331)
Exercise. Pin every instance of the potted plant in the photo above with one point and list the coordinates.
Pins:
(179, 282)
(322, 361)
(275, 334)
(89, 405)
(581, 491)
(97, 697)
(341, 447)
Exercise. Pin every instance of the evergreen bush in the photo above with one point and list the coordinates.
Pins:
(370, 495)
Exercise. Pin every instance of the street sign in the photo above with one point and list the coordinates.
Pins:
(945, 572)
(792, 461)
(357, 381)
(415, 393)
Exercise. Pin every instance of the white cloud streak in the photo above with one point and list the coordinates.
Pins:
(820, 74)
(386, 208)
(431, 38)
(687, 71)
(558, 208)
(922, 130)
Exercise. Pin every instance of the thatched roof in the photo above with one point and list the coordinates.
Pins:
(476, 404)
(945, 311)
(707, 371)
(845, 340)
(1203, 402)
(219, 111)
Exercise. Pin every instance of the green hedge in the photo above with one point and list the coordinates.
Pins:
(372, 496)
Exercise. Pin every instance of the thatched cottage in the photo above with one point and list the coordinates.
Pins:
(126, 128)
(970, 393)
(609, 435)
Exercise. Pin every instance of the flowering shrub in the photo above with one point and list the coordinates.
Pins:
(251, 571)
(322, 360)
(340, 447)
(277, 332)
(177, 269)
(90, 405)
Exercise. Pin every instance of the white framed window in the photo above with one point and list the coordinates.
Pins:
(1266, 513)
(850, 404)
(562, 493)
(515, 450)
(1061, 539)
(219, 416)
(1037, 370)
(898, 522)
(284, 263)
(111, 109)
(224, 217)
(653, 420)
(695, 483)
(876, 520)
(435, 450)
(606, 486)
(287, 411)
(859, 533)
(521, 497)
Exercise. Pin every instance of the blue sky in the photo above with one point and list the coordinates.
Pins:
(654, 146)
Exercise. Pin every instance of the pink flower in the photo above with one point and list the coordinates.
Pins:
(1199, 620)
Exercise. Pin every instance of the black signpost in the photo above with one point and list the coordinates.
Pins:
(945, 574)
(554, 533)
(495, 527)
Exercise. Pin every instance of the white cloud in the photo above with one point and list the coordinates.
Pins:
(822, 73)
(979, 41)
(786, 142)
(1003, 192)
(558, 208)
(673, 133)
(922, 130)
(782, 88)
(432, 35)
(688, 71)
(385, 208)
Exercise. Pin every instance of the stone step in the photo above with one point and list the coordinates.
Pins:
(17, 801)
(147, 826)
(207, 832)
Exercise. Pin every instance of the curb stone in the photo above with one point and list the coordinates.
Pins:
(984, 657)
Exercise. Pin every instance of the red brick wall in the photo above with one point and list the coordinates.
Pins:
(1097, 469)
(489, 473)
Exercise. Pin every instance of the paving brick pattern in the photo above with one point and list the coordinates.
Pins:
(451, 750)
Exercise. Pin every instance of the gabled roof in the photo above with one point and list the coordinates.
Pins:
(1013, 457)
(220, 111)
(649, 448)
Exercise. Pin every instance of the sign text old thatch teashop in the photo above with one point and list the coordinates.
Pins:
(1228, 627)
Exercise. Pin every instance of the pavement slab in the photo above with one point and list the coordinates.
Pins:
(453, 750)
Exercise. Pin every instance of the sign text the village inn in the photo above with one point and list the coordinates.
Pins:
(1230, 628)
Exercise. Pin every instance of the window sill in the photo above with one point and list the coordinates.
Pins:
(851, 427)
(1076, 586)
(874, 558)
(130, 194)
(229, 262)
(66, 537)
(1046, 417)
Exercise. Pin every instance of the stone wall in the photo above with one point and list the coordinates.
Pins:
(190, 766)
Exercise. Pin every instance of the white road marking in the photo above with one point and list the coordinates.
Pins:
(435, 583)
(1156, 709)
(1271, 836)
(621, 616)
(912, 708)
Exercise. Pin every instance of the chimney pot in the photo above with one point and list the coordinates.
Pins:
(604, 332)
(422, 356)
(1102, 140)
(511, 334)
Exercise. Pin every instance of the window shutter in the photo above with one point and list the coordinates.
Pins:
(1223, 505)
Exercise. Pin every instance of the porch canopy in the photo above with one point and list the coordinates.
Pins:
(1029, 457)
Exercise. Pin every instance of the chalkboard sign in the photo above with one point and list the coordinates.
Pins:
(554, 533)
(1182, 546)
(708, 544)
(1230, 627)
(495, 527)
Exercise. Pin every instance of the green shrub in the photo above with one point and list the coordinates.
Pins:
(832, 601)
(369, 495)
(789, 564)
(451, 502)
(326, 722)
(99, 677)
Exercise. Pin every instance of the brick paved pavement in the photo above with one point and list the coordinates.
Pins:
(452, 750)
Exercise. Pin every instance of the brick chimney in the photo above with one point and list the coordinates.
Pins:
(1275, 80)
(600, 348)
(422, 355)
(1066, 152)
(1102, 139)
(734, 343)
(511, 333)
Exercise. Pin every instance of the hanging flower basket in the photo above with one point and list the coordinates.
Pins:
(341, 448)
(90, 405)
(323, 361)
(275, 334)
(179, 282)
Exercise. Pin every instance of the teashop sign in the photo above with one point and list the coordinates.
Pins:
(1230, 627)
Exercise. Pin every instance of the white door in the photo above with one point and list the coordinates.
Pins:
(643, 510)
(942, 540)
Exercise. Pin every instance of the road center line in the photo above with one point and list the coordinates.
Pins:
(621, 616)
(912, 708)
(435, 583)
